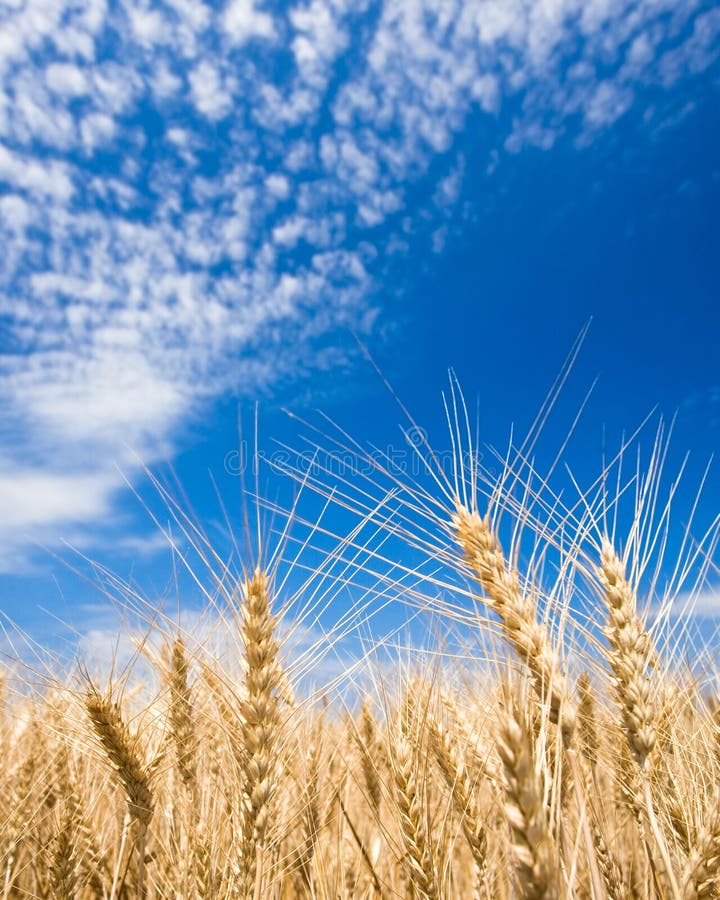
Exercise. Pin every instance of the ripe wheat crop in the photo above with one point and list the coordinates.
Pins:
(555, 743)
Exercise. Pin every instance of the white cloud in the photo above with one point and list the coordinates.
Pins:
(486, 90)
(278, 185)
(696, 53)
(117, 393)
(35, 118)
(702, 604)
(212, 250)
(707, 603)
(66, 79)
(148, 25)
(75, 42)
(208, 92)
(30, 498)
(318, 41)
(448, 189)
(96, 129)
(49, 180)
(115, 87)
(609, 101)
(289, 232)
(165, 83)
(246, 19)
(195, 14)
(14, 212)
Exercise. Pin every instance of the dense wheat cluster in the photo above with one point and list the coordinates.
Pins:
(551, 762)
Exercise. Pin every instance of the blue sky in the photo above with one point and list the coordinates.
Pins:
(202, 203)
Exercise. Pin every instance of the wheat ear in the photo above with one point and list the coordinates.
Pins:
(463, 791)
(64, 863)
(702, 871)
(122, 750)
(369, 747)
(587, 720)
(530, 639)
(203, 864)
(259, 725)
(419, 857)
(517, 613)
(533, 848)
(182, 724)
(617, 889)
(629, 655)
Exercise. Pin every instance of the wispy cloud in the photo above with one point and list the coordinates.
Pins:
(192, 195)
(707, 603)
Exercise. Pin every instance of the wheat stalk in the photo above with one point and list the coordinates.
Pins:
(310, 798)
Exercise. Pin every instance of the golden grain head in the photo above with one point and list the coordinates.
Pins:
(543, 756)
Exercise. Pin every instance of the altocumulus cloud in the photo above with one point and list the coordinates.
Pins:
(192, 193)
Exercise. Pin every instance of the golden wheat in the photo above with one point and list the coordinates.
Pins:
(583, 766)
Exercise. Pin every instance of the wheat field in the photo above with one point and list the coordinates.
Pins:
(556, 735)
